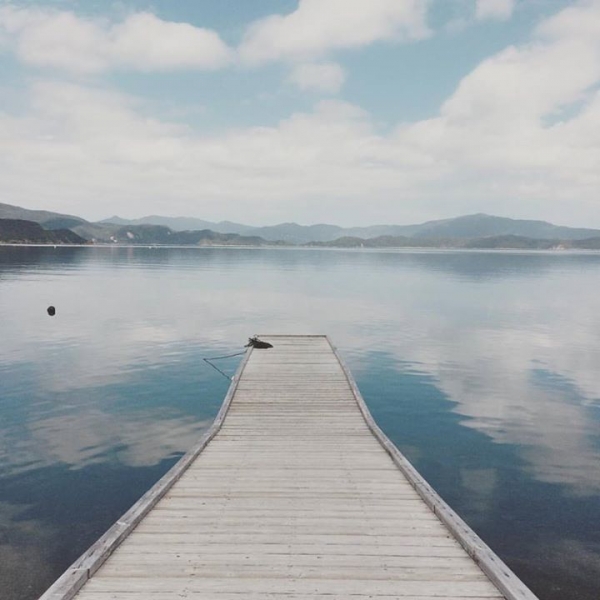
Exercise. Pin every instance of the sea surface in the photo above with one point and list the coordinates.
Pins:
(482, 367)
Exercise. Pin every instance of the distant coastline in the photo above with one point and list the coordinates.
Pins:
(307, 247)
(21, 226)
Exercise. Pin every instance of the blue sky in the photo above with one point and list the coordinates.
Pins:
(342, 111)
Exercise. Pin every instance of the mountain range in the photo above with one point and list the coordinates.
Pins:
(465, 227)
(470, 231)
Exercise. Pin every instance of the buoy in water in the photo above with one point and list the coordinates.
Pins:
(51, 311)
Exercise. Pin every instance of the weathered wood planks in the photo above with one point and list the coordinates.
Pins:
(294, 493)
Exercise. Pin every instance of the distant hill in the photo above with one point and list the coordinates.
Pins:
(27, 232)
(515, 242)
(19, 231)
(182, 224)
(466, 227)
(292, 233)
(481, 225)
(461, 228)
(157, 234)
(383, 241)
(108, 233)
(587, 244)
(62, 223)
(55, 220)
(499, 242)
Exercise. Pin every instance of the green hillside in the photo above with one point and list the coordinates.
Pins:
(19, 231)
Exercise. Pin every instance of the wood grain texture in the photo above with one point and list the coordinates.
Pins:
(296, 494)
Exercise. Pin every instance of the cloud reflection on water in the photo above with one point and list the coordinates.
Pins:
(478, 323)
(490, 377)
(142, 438)
(90, 436)
(24, 542)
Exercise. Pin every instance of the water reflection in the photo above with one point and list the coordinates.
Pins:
(18, 259)
(529, 522)
(139, 418)
(49, 516)
(96, 437)
(483, 367)
(24, 542)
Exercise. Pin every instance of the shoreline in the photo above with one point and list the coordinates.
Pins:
(420, 249)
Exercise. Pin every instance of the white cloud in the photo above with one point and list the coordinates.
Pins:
(511, 113)
(63, 40)
(520, 131)
(318, 26)
(107, 150)
(146, 42)
(574, 21)
(494, 9)
(325, 77)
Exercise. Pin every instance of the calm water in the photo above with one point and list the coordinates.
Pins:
(484, 368)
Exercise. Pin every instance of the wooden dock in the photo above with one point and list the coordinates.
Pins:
(293, 494)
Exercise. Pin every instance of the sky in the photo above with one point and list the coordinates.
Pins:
(350, 112)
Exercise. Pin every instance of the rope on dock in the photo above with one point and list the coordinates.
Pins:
(253, 342)
(208, 360)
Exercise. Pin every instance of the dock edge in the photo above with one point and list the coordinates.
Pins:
(490, 563)
(74, 578)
